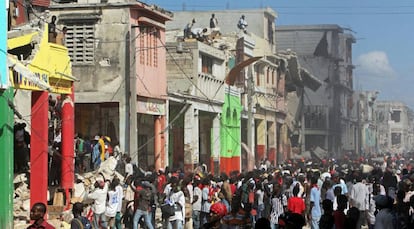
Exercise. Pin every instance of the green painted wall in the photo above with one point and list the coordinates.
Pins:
(6, 159)
(230, 124)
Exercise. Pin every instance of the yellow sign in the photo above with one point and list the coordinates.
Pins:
(51, 65)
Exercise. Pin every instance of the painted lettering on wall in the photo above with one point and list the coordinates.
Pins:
(20, 81)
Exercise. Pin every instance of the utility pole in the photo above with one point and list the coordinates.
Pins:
(302, 122)
(359, 125)
(133, 144)
(128, 93)
(250, 120)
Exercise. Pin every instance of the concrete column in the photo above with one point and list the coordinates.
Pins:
(157, 142)
(271, 136)
(261, 140)
(39, 147)
(68, 130)
(133, 130)
(6, 159)
(6, 128)
(215, 144)
(166, 138)
(204, 148)
(191, 134)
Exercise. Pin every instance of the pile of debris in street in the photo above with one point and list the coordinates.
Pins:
(58, 212)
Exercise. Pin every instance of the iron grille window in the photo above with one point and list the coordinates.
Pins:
(80, 40)
(148, 46)
(207, 64)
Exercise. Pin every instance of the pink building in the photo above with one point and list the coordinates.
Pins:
(117, 53)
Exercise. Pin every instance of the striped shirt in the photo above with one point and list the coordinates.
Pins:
(278, 204)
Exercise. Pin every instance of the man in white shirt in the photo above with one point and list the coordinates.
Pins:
(242, 24)
(197, 196)
(129, 169)
(99, 204)
(359, 199)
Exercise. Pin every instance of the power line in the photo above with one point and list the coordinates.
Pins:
(209, 101)
(346, 13)
(361, 10)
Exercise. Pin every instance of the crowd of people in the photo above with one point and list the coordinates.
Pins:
(348, 193)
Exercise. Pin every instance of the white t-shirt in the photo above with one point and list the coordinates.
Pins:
(120, 192)
(99, 195)
(178, 197)
(197, 204)
(112, 204)
(260, 195)
(190, 191)
(129, 169)
(79, 190)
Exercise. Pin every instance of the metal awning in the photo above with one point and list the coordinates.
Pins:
(20, 68)
(234, 72)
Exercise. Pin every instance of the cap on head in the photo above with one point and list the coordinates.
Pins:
(219, 209)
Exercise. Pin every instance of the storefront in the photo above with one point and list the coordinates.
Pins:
(42, 67)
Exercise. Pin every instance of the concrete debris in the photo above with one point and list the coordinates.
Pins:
(20, 178)
(107, 168)
(57, 217)
(22, 191)
(366, 168)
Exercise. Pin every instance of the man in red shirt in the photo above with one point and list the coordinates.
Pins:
(37, 214)
(296, 204)
(161, 181)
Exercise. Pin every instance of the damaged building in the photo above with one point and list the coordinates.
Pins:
(329, 114)
(395, 127)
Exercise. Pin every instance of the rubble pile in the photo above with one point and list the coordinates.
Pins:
(21, 201)
(84, 183)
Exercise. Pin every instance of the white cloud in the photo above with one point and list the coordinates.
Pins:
(375, 65)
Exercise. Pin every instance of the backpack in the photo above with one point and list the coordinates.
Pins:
(83, 223)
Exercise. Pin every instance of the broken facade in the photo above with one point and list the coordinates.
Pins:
(265, 78)
(367, 122)
(395, 123)
(326, 52)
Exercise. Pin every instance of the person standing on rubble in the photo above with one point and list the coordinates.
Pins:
(120, 192)
(99, 195)
(188, 28)
(143, 204)
(96, 152)
(242, 24)
(213, 21)
(112, 204)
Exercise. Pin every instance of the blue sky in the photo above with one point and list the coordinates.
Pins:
(384, 51)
